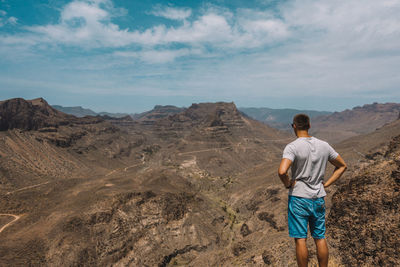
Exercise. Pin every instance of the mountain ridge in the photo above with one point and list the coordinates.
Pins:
(278, 118)
(340, 126)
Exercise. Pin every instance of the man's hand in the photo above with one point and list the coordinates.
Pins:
(282, 172)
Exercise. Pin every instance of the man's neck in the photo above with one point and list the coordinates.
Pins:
(302, 133)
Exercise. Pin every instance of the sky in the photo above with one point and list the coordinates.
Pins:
(129, 55)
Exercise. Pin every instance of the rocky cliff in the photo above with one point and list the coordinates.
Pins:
(158, 112)
(35, 114)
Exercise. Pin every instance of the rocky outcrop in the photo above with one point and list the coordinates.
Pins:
(35, 114)
(158, 112)
(219, 116)
(215, 114)
(136, 229)
(364, 220)
(29, 115)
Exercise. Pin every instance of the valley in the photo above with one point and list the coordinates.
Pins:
(180, 187)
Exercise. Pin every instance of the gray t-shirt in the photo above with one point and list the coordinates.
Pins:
(309, 157)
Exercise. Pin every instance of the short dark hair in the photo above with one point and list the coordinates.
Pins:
(302, 122)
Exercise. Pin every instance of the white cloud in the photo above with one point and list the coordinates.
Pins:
(84, 24)
(4, 20)
(171, 12)
(157, 56)
(12, 20)
(333, 24)
(88, 24)
(307, 48)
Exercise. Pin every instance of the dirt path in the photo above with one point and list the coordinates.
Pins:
(359, 153)
(111, 172)
(204, 150)
(127, 168)
(191, 152)
(227, 147)
(27, 187)
(16, 218)
(282, 139)
(132, 166)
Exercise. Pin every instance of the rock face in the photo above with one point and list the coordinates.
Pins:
(29, 115)
(35, 114)
(205, 115)
(137, 229)
(214, 115)
(364, 222)
(158, 112)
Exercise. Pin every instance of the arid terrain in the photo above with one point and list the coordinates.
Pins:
(333, 127)
(340, 126)
(179, 187)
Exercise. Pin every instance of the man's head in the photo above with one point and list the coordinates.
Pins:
(302, 122)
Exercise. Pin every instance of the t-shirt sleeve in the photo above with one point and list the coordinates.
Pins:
(288, 152)
(332, 153)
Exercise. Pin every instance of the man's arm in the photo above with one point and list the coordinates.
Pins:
(339, 170)
(282, 172)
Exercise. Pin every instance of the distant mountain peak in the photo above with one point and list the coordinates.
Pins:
(18, 113)
(158, 112)
(29, 114)
(39, 102)
(211, 114)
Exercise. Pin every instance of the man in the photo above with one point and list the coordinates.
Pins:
(308, 157)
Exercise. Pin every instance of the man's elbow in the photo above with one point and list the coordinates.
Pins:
(282, 173)
(344, 167)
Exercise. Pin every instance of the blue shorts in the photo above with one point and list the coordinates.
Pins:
(304, 211)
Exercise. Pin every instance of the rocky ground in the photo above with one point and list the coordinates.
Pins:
(364, 219)
(193, 187)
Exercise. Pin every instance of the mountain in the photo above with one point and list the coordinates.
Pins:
(196, 187)
(30, 115)
(82, 112)
(158, 112)
(339, 126)
(95, 191)
(279, 118)
(76, 111)
(332, 127)
(114, 115)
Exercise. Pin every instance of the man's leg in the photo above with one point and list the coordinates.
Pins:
(298, 217)
(301, 252)
(322, 252)
(317, 227)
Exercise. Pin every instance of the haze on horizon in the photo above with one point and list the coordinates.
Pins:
(127, 56)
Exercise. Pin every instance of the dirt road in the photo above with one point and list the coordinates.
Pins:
(27, 187)
(16, 218)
